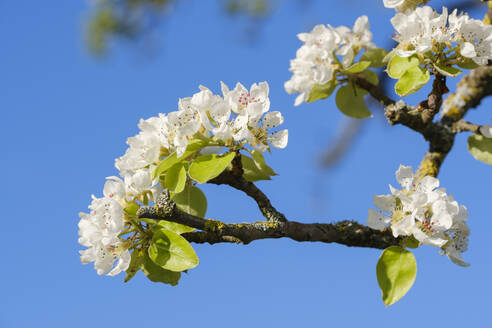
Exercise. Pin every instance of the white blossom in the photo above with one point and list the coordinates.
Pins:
(315, 61)
(423, 30)
(403, 5)
(423, 211)
(99, 230)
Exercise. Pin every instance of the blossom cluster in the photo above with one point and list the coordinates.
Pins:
(424, 211)
(423, 30)
(238, 117)
(316, 60)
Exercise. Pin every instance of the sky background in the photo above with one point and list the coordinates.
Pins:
(66, 117)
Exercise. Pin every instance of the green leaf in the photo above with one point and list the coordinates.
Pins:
(399, 65)
(468, 64)
(251, 171)
(174, 227)
(261, 163)
(192, 201)
(171, 251)
(370, 76)
(207, 167)
(176, 178)
(480, 148)
(321, 91)
(131, 209)
(135, 264)
(357, 67)
(157, 274)
(396, 271)
(193, 146)
(413, 79)
(350, 101)
(375, 56)
(448, 70)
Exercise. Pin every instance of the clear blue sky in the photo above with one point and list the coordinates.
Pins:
(66, 116)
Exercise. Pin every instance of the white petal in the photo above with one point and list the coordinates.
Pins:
(486, 131)
(123, 264)
(468, 50)
(404, 176)
(279, 139)
(404, 226)
(272, 120)
(300, 99)
(385, 203)
(376, 220)
(427, 184)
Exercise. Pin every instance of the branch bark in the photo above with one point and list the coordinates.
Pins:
(347, 233)
(235, 179)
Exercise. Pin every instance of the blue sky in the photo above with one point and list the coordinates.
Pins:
(66, 116)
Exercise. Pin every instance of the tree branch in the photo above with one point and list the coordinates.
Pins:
(235, 179)
(347, 233)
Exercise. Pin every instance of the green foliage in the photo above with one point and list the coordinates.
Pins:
(357, 67)
(176, 178)
(131, 209)
(193, 147)
(321, 91)
(174, 227)
(171, 251)
(412, 80)
(136, 263)
(156, 273)
(192, 201)
(480, 148)
(261, 163)
(251, 172)
(350, 101)
(396, 271)
(468, 64)
(375, 56)
(370, 76)
(207, 167)
(397, 66)
(448, 70)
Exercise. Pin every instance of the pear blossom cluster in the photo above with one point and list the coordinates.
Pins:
(99, 230)
(237, 117)
(316, 60)
(424, 30)
(424, 211)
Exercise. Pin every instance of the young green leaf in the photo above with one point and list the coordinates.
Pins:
(136, 262)
(448, 70)
(176, 178)
(131, 209)
(375, 56)
(251, 172)
(321, 91)
(396, 271)
(480, 148)
(370, 76)
(157, 274)
(174, 227)
(399, 65)
(410, 82)
(261, 163)
(350, 101)
(207, 167)
(468, 64)
(357, 67)
(192, 201)
(171, 251)
(193, 146)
